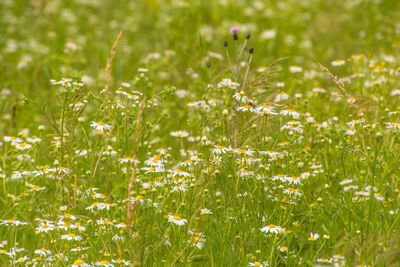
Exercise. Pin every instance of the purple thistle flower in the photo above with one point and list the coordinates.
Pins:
(234, 30)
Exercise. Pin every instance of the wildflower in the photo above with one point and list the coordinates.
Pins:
(198, 239)
(180, 173)
(181, 93)
(244, 173)
(258, 264)
(271, 228)
(280, 177)
(292, 192)
(94, 194)
(268, 34)
(205, 211)
(22, 259)
(80, 263)
(234, 30)
(395, 92)
(11, 222)
(81, 153)
(176, 219)
(282, 248)
(78, 249)
(153, 169)
(63, 225)
(246, 107)
(33, 140)
(117, 238)
(241, 97)
(12, 139)
(266, 109)
(218, 150)
(45, 227)
(102, 221)
(22, 146)
(180, 187)
(338, 62)
(155, 161)
(104, 263)
(293, 180)
(345, 182)
(120, 225)
(271, 154)
(393, 125)
(34, 188)
(378, 197)
(99, 206)
(282, 96)
(293, 127)
(71, 237)
(362, 193)
(43, 252)
(100, 126)
(313, 237)
(295, 69)
(126, 85)
(228, 83)
(121, 262)
(128, 160)
(109, 151)
(180, 134)
(243, 151)
(324, 260)
(186, 163)
(290, 113)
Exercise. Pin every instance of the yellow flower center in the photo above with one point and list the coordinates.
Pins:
(79, 262)
(177, 218)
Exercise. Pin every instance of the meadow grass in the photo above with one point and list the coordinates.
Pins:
(199, 133)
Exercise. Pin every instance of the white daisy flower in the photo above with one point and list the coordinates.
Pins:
(100, 126)
(104, 263)
(290, 113)
(313, 236)
(205, 211)
(282, 96)
(241, 97)
(180, 173)
(43, 252)
(338, 63)
(176, 219)
(228, 83)
(179, 134)
(80, 263)
(45, 227)
(71, 237)
(218, 150)
(266, 109)
(11, 222)
(22, 146)
(271, 228)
